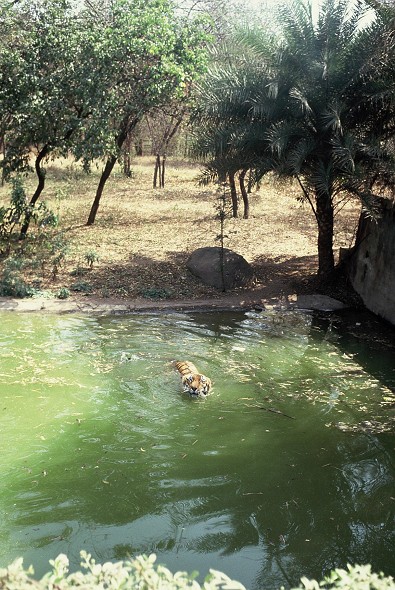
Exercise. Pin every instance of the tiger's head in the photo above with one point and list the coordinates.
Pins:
(196, 384)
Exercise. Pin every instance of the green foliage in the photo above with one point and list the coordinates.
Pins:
(223, 208)
(12, 283)
(358, 577)
(81, 287)
(44, 216)
(156, 293)
(84, 83)
(63, 293)
(142, 573)
(12, 216)
(314, 102)
(44, 249)
(91, 257)
(136, 37)
(224, 211)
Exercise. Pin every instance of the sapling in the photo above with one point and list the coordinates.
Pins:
(223, 207)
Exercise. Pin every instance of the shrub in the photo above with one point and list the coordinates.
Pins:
(9, 216)
(142, 573)
(358, 577)
(12, 216)
(63, 293)
(81, 287)
(156, 293)
(12, 283)
(91, 257)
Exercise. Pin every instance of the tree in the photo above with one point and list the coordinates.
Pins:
(42, 100)
(76, 80)
(321, 108)
(163, 124)
(338, 114)
(227, 137)
(144, 58)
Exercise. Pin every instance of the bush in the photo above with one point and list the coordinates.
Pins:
(12, 283)
(91, 257)
(81, 287)
(142, 573)
(358, 577)
(63, 293)
(12, 217)
(155, 293)
(138, 574)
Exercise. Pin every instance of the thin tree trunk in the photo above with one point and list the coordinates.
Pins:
(157, 171)
(138, 146)
(162, 146)
(244, 193)
(325, 220)
(162, 181)
(250, 182)
(125, 128)
(233, 193)
(40, 172)
(126, 156)
(103, 179)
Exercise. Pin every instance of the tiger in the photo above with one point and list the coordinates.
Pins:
(193, 382)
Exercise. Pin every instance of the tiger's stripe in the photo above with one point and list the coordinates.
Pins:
(193, 382)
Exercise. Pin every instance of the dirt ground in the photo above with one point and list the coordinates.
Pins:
(137, 250)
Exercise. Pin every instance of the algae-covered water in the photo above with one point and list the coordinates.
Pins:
(281, 472)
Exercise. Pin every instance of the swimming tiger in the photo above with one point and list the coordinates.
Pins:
(193, 382)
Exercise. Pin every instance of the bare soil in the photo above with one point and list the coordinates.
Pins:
(138, 247)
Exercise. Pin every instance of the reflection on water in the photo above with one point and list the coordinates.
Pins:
(277, 474)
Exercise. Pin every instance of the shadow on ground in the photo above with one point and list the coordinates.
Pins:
(146, 277)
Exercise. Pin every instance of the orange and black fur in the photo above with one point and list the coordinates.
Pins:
(193, 382)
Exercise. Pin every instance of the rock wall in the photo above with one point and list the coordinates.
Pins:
(372, 269)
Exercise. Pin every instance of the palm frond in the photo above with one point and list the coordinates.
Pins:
(300, 155)
(297, 24)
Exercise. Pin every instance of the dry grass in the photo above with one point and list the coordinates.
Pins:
(143, 237)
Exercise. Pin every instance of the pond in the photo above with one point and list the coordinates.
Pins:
(281, 472)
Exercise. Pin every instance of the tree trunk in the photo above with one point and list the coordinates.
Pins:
(325, 216)
(103, 179)
(233, 193)
(244, 193)
(40, 172)
(250, 182)
(157, 171)
(138, 146)
(162, 182)
(127, 160)
(126, 127)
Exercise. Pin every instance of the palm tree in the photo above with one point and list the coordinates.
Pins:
(339, 115)
(228, 136)
(320, 107)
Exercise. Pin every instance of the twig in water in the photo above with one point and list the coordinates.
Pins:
(271, 410)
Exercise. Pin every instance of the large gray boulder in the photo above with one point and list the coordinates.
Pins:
(372, 261)
(205, 263)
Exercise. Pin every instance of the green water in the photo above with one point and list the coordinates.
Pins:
(268, 479)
